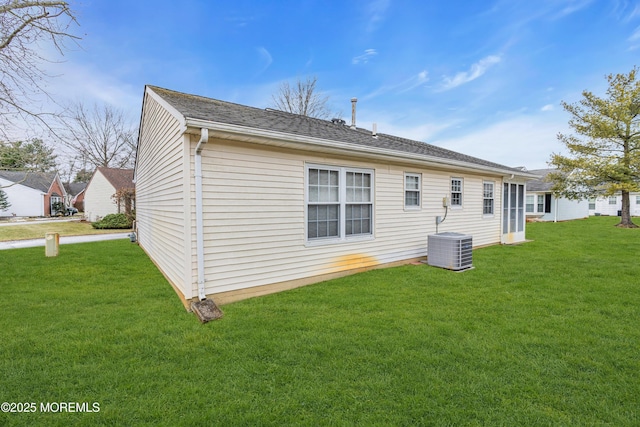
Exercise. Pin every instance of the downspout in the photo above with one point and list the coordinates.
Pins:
(204, 137)
(555, 215)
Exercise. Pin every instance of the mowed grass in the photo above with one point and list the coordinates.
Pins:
(36, 230)
(544, 333)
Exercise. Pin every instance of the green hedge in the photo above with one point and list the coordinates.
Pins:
(113, 221)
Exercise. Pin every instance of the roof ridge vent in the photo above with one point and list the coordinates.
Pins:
(338, 121)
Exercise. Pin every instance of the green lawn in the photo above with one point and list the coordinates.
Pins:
(545, 333)
(35, 230)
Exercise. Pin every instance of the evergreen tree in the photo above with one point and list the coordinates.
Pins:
(604, 151)
(4, 201)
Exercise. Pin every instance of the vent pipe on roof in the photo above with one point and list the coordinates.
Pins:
(374, 132)
(353, 112)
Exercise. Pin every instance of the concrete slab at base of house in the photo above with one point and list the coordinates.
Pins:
(246, 293)
(65, 240)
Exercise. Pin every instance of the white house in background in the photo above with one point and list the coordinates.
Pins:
(32, 194)
(104, 183)
(612, 205)
(543, 205)
(235, 201)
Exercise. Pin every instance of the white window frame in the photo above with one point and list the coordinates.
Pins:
(492, 198)
(613, 200)
(532, 198)
(637, 200)
(342, 203)
(413, 190)
(452, 192)
(540, 203)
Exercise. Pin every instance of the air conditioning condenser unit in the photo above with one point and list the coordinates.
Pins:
(450, 250)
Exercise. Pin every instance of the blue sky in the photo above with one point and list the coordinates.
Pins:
(481, 77)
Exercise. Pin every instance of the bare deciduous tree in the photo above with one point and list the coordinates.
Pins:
(100, 136)
(25, 26)
(302, 98)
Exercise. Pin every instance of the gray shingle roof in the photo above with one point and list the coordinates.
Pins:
(75, 188)
(213, 110)
(540, 184)
(36, 180)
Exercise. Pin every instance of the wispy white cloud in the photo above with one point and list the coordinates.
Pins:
(414, 82)
(239, 21)
(634, 39)
(624, 11)
(265, 57)
(571, 7)
(421, 132)
(548, 107)
(375, 14)
(522, 140)
(476, 70)
(635, 13)
(365, 57)
(404, 86)
(78, 82)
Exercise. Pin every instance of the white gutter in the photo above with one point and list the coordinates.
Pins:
(204, 137)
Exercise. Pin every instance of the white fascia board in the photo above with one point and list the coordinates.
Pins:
(293, 141)
(170, 108)
(175, 113)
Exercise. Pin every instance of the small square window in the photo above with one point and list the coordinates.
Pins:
(529, 203)
(412, 190)
(456, 191)
(487, 198)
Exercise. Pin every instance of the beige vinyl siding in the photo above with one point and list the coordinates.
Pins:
(97, 198)
(255, 212)
(160, 179)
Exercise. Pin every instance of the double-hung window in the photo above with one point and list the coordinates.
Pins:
(359, 209)
(456, 192)
(529, 206)
(339, 202)
(412, 189)
(324, 203)
(540, 203)
(487, 198)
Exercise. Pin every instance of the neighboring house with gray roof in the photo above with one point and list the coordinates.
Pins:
(75, 194)
(99, 193)
(32, 194)
(235, 201)
(543, 205)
